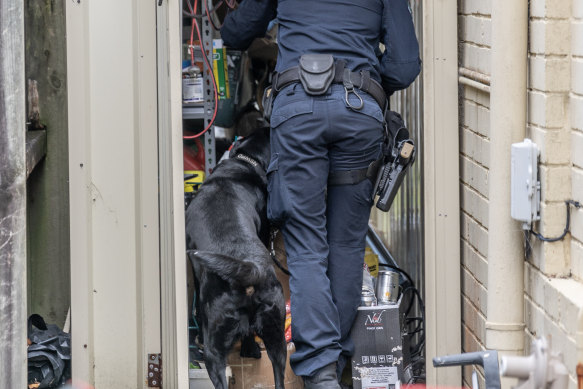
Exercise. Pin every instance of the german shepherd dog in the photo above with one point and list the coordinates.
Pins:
(227, 233)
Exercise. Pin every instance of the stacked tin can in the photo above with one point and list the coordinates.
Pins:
(367, 297)
(386, 291)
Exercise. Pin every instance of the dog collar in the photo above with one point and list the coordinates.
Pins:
(259, 169)
(247, 159)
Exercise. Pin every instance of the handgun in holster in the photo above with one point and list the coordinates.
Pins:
(398, 155)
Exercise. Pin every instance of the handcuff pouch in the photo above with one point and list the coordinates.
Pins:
(316, 73)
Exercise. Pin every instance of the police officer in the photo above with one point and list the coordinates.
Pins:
(326, 130)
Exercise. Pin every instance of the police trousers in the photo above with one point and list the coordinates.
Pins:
(324, 227)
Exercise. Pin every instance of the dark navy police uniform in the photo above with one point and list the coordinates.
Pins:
(324, 227)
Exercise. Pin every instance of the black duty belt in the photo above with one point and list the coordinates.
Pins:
(351, 177)
(349, 79)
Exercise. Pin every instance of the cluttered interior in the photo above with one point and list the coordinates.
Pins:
(224, 94)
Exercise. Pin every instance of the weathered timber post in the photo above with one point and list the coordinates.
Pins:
(49, 291)
(13, 373)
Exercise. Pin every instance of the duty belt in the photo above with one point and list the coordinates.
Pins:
(349, 79)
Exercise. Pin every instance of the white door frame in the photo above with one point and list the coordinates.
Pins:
(173, 263)
(441, 200)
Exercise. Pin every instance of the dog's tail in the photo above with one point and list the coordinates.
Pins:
(233, 270)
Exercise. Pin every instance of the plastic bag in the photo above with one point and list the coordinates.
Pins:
(49, 353)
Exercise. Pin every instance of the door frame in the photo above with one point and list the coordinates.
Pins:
(441, 200)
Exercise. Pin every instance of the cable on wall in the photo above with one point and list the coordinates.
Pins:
(207, 63)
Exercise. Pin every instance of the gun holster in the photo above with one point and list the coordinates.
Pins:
(398, 155)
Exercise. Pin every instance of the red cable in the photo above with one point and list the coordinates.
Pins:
(195, 23)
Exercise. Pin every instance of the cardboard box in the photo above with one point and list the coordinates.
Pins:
(258, 373)
(378, 358)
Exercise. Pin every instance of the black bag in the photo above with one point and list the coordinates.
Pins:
(49, 354)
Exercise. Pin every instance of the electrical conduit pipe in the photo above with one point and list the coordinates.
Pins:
(505, 309)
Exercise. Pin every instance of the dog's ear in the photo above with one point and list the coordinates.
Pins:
(255, 146)
(257, 139)
(236, 147)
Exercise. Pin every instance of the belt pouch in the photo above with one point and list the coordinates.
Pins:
(316, 73)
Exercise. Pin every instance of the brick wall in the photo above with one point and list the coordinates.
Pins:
(553, 276)
(474, 22)
(548, 125)
(553, 303)
(576, 134)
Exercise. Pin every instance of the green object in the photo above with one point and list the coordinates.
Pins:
(220, 69)
(226, 112)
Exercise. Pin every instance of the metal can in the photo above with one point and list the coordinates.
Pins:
(367, 298)
(387, 289)
(192, 90)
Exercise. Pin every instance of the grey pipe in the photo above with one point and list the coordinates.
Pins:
(487, 359)
(13, 373)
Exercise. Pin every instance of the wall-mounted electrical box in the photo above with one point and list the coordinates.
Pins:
(525, 186)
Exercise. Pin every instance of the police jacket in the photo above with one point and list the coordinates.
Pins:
(348, 29)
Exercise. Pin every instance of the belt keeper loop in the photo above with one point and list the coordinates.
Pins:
(364, 80)
(347, 81)
(340, 66)
(348, 89)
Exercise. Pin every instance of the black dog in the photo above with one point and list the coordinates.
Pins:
(227, 232)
